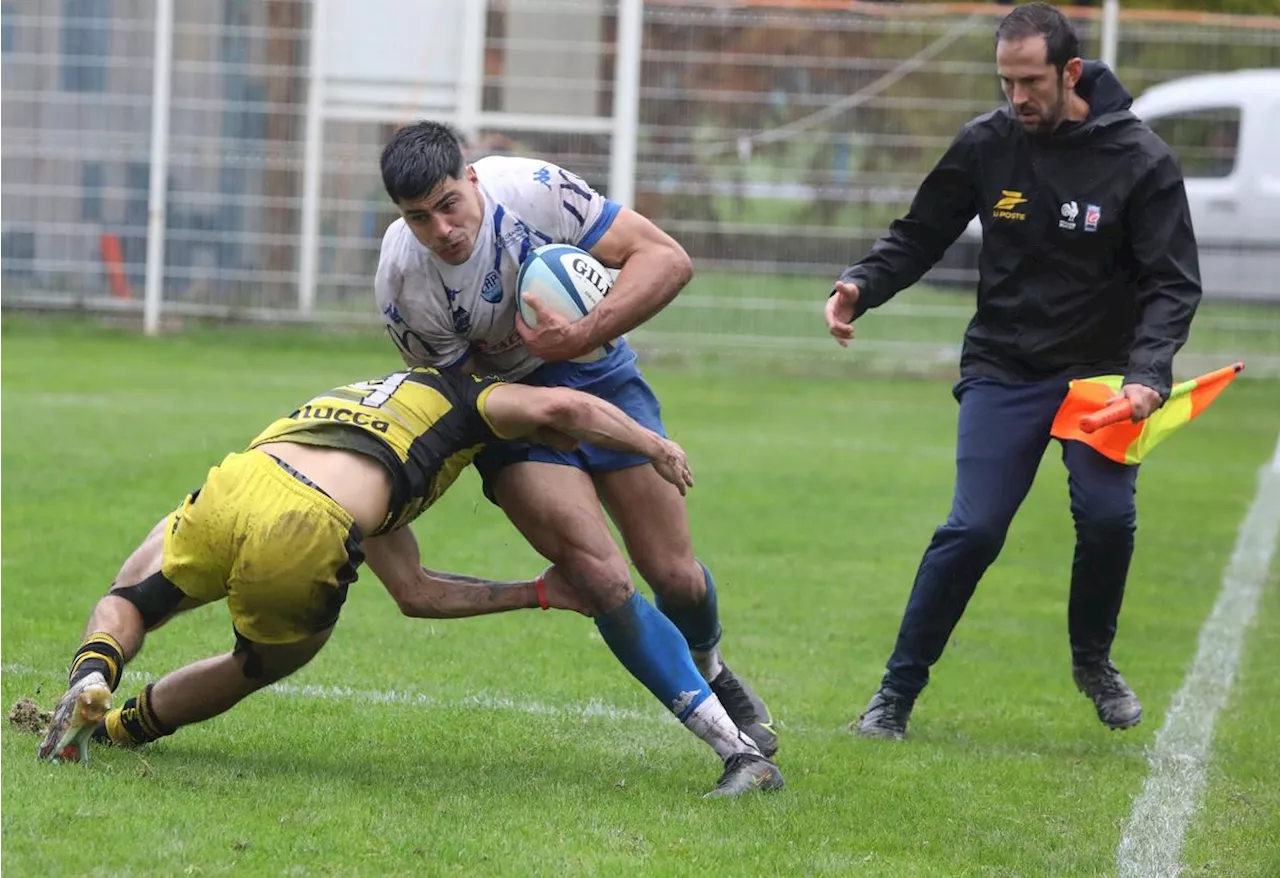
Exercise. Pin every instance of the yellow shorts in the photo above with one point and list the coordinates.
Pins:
(280, 550)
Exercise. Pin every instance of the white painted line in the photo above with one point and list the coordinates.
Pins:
(480, 700)
(1151, 844)
(475, 701)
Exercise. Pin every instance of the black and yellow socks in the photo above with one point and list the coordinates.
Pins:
(134, 723)
(99, 652)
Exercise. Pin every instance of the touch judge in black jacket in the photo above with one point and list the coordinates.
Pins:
(1088, 266)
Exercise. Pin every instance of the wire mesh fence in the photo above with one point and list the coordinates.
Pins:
(776, 142)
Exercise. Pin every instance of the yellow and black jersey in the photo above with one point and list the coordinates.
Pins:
(423, 425)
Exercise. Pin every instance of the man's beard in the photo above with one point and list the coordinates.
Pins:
(1051, 118)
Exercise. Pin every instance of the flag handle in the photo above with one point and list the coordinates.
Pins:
(1104, 417)
(1122, 410)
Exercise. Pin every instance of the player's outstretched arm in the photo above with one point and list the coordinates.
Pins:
(429, 594)
(518, 410)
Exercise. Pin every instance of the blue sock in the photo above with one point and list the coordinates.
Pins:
(651, 648)
(699, 623)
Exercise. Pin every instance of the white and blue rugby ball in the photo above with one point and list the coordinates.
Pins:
(568, 281)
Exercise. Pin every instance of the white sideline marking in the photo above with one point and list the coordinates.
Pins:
(481, 700)
(475, 701)
(1151, 843)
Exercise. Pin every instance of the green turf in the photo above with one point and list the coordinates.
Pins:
(515, 745)
(769, 307)
(1239, 833)
(778, 319)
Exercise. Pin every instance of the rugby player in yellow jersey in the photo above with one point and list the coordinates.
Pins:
(280, 529)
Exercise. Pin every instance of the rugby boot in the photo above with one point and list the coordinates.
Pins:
(747, 710)
(1117, 706)
(886, 715)
(74, 719)
(744, 773)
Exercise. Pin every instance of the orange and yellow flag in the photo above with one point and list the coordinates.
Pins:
(1127, 442)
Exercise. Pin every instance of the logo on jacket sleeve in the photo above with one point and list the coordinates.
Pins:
(1004, 208)
(1092, 216)
(1070, 210)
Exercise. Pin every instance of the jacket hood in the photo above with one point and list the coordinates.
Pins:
(1108, 102)
(1102, 90)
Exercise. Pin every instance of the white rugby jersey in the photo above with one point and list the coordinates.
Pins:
(439, 314)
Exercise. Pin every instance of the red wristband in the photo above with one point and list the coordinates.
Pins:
(540, 588)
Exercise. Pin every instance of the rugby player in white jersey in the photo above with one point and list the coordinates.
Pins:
(446, 287)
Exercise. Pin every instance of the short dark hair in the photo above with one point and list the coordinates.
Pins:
(419, 157)
(1042, 20)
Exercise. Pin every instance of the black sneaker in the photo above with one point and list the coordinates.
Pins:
(1117, 706)
(886, 715)
(745, 772)
(748, 712)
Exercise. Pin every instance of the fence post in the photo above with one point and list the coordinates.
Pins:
(471, 72)
(1110, 32)
(312, 157)
(157, 185)
(626, 103)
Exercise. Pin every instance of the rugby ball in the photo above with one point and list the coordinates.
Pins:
(569, 282)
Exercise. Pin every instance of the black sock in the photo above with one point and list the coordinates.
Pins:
(100, 652)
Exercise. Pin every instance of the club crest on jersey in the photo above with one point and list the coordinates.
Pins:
(492, 289)
(1092, 216)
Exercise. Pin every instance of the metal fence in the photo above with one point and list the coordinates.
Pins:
(774, 140)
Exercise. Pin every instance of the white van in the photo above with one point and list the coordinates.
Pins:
(1225, 129)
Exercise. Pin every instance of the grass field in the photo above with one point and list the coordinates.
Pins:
(918, 331)
(515, 745)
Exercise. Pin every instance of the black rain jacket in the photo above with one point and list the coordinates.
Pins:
(1088, 263)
